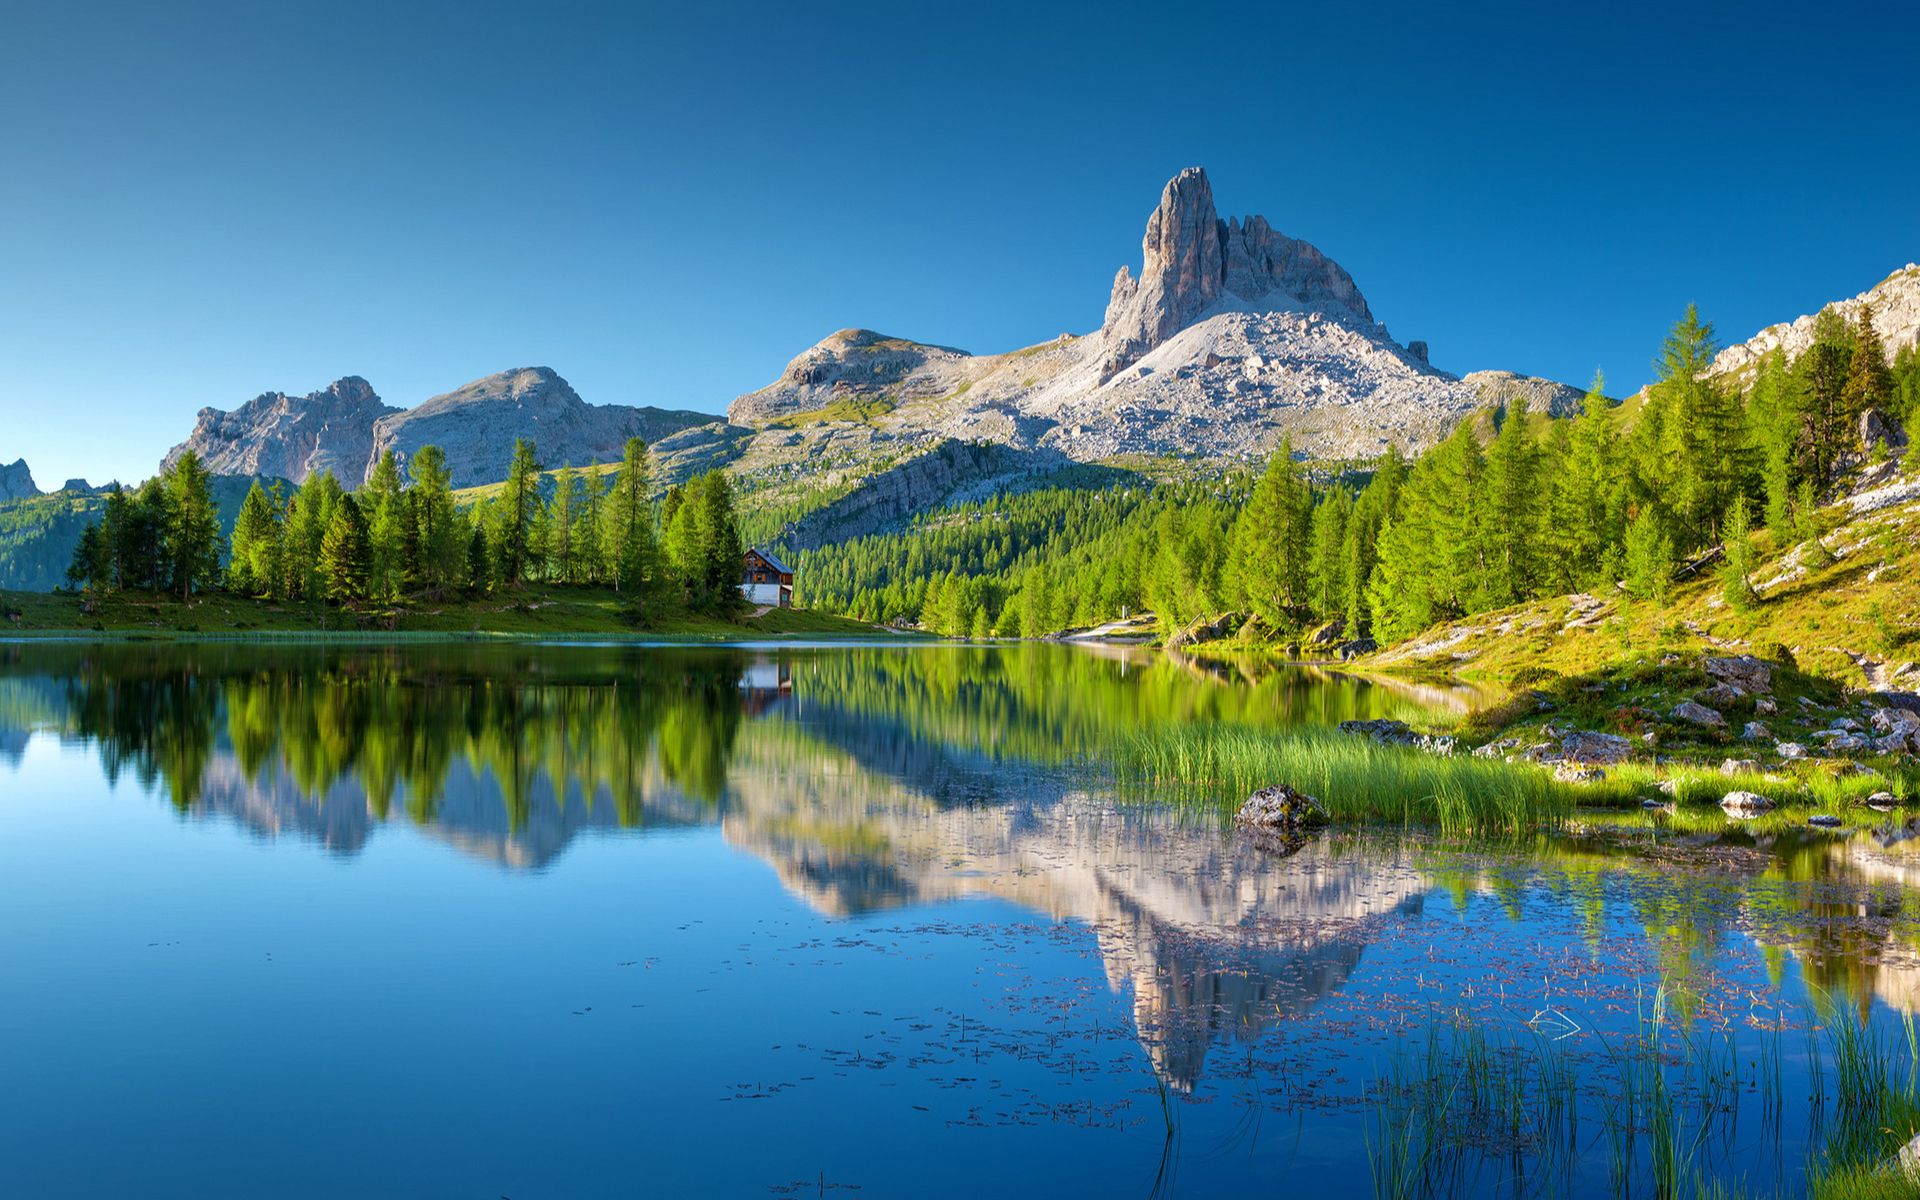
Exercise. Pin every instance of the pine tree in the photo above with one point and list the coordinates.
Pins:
(381, 504)
(1587, 493)
(719, 536)
(516, 516)
(1364, 528)
(1272, 541)
(1509, 531)
(441, 546)
(192, 527)
(1327, 566)
(627, 539)
(1773, 420)
(1736, 572)
(1821, 380)
(92, 563)
(346, 554)
(254, 567)
(1870, 383)
(310, 514)
(1649, 558)
(1702, 428)
(116, 535)
(564, 514)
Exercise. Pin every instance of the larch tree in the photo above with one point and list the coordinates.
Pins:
(192, 526)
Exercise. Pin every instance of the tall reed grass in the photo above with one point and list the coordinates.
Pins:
(1476, 1107)
(1356, 779)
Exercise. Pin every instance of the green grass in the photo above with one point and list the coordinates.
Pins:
(535, 611)
(1864, 601)
(851, 411)
(1357, 780)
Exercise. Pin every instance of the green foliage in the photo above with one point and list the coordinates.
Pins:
(1649, 558)
(1272, 541)
(192, 527)
(1736, 571)
(346, 554)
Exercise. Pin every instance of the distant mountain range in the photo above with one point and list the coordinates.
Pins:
(1231, 337)
(347, 427)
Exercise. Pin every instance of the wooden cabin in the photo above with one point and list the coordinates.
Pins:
(765, 580)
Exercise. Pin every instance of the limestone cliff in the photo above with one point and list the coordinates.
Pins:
(291, 437)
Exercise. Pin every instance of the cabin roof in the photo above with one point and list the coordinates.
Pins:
(772, 560)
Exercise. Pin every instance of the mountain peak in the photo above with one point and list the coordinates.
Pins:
(292, 437)
(16, 481)
(1193, 261)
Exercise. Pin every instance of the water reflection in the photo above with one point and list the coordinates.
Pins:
(877, 778)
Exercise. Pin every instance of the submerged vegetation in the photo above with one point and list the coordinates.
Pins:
(1473, 1106)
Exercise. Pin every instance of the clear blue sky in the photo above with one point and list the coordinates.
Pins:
(202, 202)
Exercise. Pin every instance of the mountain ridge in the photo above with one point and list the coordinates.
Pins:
(345, 428)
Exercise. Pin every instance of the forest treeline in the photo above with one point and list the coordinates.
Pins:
(401, 538)
(1512, 506)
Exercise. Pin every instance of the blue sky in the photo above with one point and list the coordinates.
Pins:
(202, 202)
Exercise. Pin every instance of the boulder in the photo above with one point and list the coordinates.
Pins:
(1790, 750)
(1754, 731)
(1890, 720)
(1745, 804)
(1901, 741)
(1382, 730)
(1839, 740)
(1751, 675)
(1907, 1162)
(1881, 429)
(1699, 714)
(1765, 706)
(1568, 772)
(1824, 821)
(1541, 752)
(1739, 766)
(1328, 634)
(1203, 630)
(1496, 748)
(1280, 808)
(1721, 695)
(1881, 801)
(1582, 746)
(1652, 805)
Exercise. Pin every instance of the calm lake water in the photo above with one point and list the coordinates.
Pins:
(845, 921)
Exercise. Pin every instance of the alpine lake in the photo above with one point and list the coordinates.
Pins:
(874, 920)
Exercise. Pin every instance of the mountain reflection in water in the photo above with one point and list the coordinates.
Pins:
(875, 778)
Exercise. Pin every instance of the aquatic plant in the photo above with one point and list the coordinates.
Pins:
(1357, 780)
(1477, 1106)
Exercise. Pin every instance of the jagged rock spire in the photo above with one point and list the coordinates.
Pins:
(1192, 261)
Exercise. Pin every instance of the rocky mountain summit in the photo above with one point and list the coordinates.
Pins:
(1232, 336)
(290, 437)
(16, 481)
(346, 428)
(1896, 318)
(1194, 261)
(477, 424)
